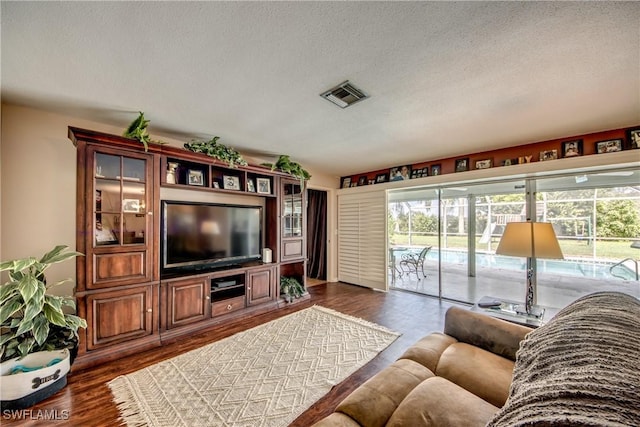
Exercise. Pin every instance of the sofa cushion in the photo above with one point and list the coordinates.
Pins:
(491, 334)
(428, 350)
(484, 374)
(337, 419)
(373, 402)
(440, 403)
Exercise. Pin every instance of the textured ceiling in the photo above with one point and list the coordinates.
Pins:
(445, 78)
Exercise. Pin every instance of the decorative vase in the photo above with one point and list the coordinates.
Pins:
(24, 389)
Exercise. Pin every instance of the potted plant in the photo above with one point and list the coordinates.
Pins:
(286, 165)
(291, 288)
(38, 338)
(213, 148)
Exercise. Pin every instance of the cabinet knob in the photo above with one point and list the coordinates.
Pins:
(207, 297)
(229, 307)
(149, 213)
(149, 310)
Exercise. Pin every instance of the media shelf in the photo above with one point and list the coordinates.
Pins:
(129, 302)
(176, 172)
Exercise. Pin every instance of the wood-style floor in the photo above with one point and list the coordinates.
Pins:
(87, 399)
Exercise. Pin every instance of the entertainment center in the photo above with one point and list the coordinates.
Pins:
(174, 242)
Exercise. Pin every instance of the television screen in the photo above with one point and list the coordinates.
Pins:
(201, 235)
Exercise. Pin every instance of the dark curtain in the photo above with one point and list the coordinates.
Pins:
(317, 234)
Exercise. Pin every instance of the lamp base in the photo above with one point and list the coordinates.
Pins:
(533, 311)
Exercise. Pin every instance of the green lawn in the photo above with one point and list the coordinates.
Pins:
(613, 250)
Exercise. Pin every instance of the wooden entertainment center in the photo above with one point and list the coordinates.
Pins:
(129, 303)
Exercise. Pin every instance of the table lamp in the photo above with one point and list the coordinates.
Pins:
(531, 240)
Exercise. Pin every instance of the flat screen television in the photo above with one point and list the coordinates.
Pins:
(198, 236)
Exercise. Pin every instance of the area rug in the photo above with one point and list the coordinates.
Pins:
(265, 376)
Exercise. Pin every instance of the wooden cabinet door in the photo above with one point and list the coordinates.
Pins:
(120, 315)
(188, 301)
(293, 206)
(119, 220)
(261, 286)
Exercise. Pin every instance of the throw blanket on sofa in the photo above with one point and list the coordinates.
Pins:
(580, 369)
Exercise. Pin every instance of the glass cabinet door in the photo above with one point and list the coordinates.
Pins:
(292, 210)
(120, 200)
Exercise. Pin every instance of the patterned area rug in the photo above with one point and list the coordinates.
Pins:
(265, 376)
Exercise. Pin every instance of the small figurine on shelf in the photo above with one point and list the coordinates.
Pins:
(171, 172)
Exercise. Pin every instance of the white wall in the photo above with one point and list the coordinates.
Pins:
(38, 185)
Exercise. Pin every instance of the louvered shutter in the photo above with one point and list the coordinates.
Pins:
(362, 237)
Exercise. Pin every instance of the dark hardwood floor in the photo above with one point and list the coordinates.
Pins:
(87, 399)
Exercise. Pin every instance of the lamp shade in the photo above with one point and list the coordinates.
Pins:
(529, 239)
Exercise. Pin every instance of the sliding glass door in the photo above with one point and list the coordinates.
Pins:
(596, 217)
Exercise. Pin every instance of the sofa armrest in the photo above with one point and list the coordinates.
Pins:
(481, 330)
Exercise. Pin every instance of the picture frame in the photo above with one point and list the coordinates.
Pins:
(346, 182)
(436, 170)
(104, 236)
(462, 165)
(251, 186)
(263, 185)
(548, 155)
(216, 184)
(484, 164)
(509, 162)
(131, 205)
(633, 138)
(400, 173)
(195, 177)
(362, 181)
(382, 177)
(609, 146)
(572, 148)
(230, 182)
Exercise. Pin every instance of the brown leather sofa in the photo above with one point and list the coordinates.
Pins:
(457, 378)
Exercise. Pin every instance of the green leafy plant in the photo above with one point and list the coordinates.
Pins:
(138, 130)
(216, 150)
(285, 165)
(30, 319)
(291, 288)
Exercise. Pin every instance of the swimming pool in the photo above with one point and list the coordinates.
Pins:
(569, 267)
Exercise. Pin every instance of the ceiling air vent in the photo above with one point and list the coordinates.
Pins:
(344, 94)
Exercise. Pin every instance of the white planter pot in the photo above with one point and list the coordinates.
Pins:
(25, 389)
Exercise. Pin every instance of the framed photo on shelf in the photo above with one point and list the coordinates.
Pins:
(362, 181)
(548, 155)
(230, 182)
(346, 182)
(400, 173)
(462, 164)
(609, 146)
(572, 148)
(484, 164)
(509, 162)
(251, 187)
(195, 177)
(264, 185)
(633, 136)
(216, 184)
(382, 177)
(436, 170)
(131, 205)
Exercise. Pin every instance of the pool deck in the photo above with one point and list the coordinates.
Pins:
(554, 290)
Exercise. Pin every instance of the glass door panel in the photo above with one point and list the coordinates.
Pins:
(292, 210)
(596, 218)
(413, 241)
(120, 200)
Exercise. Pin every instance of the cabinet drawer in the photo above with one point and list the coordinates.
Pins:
(227, 306)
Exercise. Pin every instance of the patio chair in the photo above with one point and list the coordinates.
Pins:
(412, 263)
